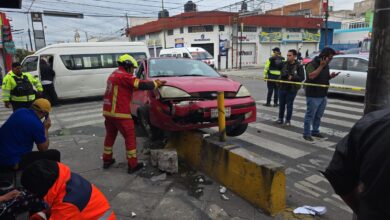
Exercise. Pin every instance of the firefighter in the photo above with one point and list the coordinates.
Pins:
(116, 110)
(68, 195)
(18, 88)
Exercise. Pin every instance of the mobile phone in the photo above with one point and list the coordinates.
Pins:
(46, 116)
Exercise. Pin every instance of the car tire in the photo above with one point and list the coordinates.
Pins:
(236, 130)
(150, 131)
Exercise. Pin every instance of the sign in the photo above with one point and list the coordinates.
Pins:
(153, 42)
(271, 37)
(36, 16)
(179, 42)
(292, 37)
(10, 47)
(202, 38)
(324, 6)
(39, 34)
(311, 37)
(222, 47)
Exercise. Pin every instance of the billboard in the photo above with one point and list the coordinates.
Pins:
(270, 37)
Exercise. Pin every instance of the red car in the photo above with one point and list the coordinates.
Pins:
(189, 98)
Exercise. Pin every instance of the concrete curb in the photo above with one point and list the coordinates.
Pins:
(256, 179)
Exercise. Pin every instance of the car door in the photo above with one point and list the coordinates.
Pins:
(337, 65)
(139, 98)
(356, 75)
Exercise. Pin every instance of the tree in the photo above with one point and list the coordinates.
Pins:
(21, 54)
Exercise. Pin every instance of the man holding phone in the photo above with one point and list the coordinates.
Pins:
(19, 133)
(317, 72)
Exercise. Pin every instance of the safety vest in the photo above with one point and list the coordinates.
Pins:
(20, 88)
(273, 66)
(119, 92)
(73, 197)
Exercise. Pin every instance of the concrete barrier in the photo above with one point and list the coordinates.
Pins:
(256, 179)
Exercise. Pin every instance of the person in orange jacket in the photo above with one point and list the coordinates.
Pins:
(116, 110)
(68, 195)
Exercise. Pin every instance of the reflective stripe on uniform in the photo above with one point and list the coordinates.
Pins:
(6, 95)
(114, 99)
(116, 115)
(136, 83)
(132, 153)
(274, 72)
(155, 84)
(107, 150)
(22, 98)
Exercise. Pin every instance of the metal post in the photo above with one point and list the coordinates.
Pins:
(221, 116)
(378, 77)
(227, 59)
(127, 25)
(86, 35)
(29, 37)
(326, 24)
(242, 27)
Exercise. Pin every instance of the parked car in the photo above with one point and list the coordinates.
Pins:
(353, 73)
(308, 59)
(195, 53)
(352, 51)
(189, 98)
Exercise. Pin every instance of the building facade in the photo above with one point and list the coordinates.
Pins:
(220, 34)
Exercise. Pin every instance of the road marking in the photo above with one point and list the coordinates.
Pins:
(311, 186)
(76, 112)
(81, 117)
(325, 119)
(100, 121)
(291, 135)
(273, 146)
(298, 124)
(327, 112)
(337, 101)
(315, 179)
(306, 189)
(346, 108)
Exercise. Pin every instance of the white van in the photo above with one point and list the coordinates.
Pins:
(195, 53)
(82, 69)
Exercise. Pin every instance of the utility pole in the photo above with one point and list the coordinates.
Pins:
(29, 32)
(127, 25)
(378, 77)
(242, 28)
(165, 38)
(326, 8)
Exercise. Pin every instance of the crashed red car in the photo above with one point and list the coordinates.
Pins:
(189, 98)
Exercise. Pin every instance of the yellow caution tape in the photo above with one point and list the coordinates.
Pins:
(359, 89)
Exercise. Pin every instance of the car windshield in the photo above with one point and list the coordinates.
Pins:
(201, 55)
(179, 67)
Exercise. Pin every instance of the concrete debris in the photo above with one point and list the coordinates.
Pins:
(199, 191)
(94, 135)
(217, 213)
(224, 197)
(222, 189)
(310, 210)
(81, 148)
(133, 214)
(165, 160)
(199, 179)
(160, 177)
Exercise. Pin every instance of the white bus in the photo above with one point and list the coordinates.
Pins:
(82, 69)
(195, 53)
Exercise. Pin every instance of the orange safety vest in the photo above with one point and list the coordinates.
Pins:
(119, 91)
(74, 198)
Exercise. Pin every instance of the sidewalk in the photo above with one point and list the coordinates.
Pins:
(244, 72)
(179, 196)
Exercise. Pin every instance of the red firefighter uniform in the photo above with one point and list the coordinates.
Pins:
(117, 113)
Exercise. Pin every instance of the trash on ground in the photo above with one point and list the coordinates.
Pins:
(222, 189)
(160, 177)
(310, 210)
(224, 197)
(133, 214)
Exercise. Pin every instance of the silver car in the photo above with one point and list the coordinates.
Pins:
(353, 73)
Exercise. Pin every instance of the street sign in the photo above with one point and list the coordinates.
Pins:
(39, 34)
(36, 16)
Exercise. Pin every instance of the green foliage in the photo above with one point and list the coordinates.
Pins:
(21, 54)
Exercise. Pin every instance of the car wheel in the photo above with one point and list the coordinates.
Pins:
(236, 130)
(150, 131)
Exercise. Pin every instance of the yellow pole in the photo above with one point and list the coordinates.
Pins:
(221, 116)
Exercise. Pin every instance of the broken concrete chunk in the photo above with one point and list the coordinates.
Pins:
(224, 197)
(222, 189)
(165, 160)
(133, 214)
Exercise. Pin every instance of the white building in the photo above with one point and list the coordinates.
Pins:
(210, 30)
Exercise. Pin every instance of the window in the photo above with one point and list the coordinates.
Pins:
(313, 31)
(249, 28)
(183, 67)
(31, 64)
(170, 32)
(95, 61)
(197, 29)
(132, 38)
(181, 30)
(304, 12)
(141, 38)
(221, 28)
(336, 64)
(356, 64)
(271, 29)
(293, 30)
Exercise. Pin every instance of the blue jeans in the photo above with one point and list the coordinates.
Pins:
(315, 110)
(272, 87)
(286, 98)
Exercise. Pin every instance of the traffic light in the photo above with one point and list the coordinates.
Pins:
(6, 32)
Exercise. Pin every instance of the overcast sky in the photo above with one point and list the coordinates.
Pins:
(63, 29)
